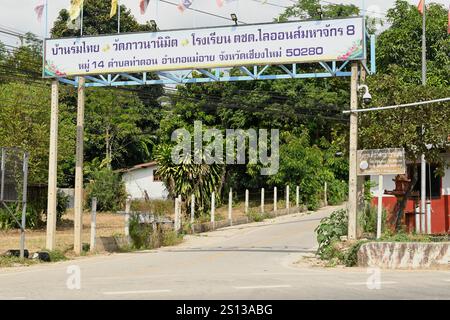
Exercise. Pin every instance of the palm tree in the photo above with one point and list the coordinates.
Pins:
(187, 179)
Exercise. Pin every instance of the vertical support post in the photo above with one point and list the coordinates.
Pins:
(380, 205)
(423, 185)
(360, 180)
(127, 219)
(2, 179)
(429, 216)
(352, 194)
(423, 192)
(262, 200)
(78, 203)
(213, 209)
(52, 168)
(24, 205)
(287, 199)
(192, 209)
(180, 208)
(325, 194)
(230, 207)
(297, 196)
(275, 200)
(246, 201)
(175, 223)
(93, 224)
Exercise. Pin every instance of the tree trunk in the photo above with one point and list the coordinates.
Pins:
(402, 204)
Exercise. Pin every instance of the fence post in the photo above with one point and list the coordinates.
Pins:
(192, 209)
(93, 224)
(246, 201)
(325, 193)
(297, 197)
(230, 207)
(127, 219)
(24, 205)
(262, 200)
(287, 199)
(213, 209)
(275, 199)
(177, 213)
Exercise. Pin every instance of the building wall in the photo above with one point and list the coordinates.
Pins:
(140, 180)
(440, 216)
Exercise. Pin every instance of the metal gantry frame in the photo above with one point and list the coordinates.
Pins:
(325, 69)
(266, 72)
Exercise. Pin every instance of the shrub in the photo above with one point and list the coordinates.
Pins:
(140, 232)
(62, 201)
(368, 219)
(337, 192)
(157, 206)
(144, 237)
(330, 230)
(108, 188)
(256, 216)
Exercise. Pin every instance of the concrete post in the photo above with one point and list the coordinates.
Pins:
(297, 196)
(275, 200)
(127, 219)
(93, 224)
(230, 207)
(177, 223)
(213, 209)
(287, 199)
(78, 202)
(192, 209)
(52, 169)
(352, 193)
(325, 196)
(380, 205)
(246, 201)
(262, 200)
(24, 206)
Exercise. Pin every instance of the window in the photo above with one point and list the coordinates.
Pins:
(433, 178)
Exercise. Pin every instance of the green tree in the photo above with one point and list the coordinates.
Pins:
(399, 81)
(115, 118)
(96, 21)
(188, 178)
(112, 126)
(401, 44)
(24, 123)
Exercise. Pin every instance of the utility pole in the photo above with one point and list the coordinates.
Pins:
(52, 169)
(353, 182)
(423, 163)
(78, 205)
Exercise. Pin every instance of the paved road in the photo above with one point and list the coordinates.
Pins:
(253, 261)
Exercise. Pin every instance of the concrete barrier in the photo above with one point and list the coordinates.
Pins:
(405, 255)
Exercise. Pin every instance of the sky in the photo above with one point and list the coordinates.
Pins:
(19, 15)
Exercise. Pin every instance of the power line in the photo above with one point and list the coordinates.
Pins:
(201, 11)
(414, 104)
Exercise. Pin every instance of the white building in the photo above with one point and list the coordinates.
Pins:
(142, 182)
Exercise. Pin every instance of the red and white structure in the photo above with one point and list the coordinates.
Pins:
(437, 194)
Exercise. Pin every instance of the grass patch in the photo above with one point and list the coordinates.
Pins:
(255, 216)
(7, 262)
(56, 256)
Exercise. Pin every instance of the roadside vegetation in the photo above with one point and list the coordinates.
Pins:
(125, 127)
